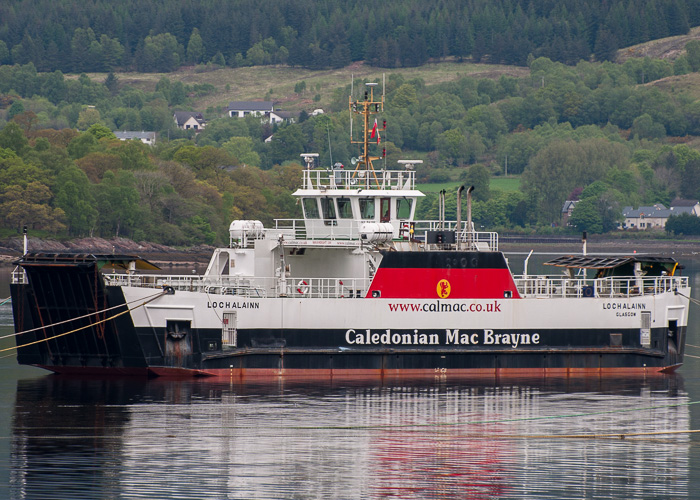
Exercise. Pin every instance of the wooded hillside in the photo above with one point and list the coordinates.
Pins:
(161, 35)
(591, 132)
(608, 134)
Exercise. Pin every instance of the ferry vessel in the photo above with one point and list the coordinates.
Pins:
(358, 287)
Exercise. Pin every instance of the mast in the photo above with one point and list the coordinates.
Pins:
(371, 131)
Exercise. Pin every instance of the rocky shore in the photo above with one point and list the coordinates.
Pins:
(602, 245)
(161, 255)
(165, 256)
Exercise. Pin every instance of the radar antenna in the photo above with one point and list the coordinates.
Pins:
(371, 132)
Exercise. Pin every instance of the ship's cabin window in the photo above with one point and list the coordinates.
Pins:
(344, 208)
(367, 208)
(310, 208)
(403, 208)
(385, 209)
(223, 263)
(328, 210)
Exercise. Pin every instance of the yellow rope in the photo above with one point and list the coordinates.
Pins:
(77, 318)
(450, 436)
(82, 327)
(492, 436)
(599, 436)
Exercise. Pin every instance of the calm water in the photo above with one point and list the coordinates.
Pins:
(67, 438)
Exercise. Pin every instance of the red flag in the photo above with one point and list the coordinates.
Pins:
(374, 129)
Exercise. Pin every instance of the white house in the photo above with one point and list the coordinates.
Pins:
(645, 217)
(189, 120)
(145, 137)
(241, 109)
(264, 109)
(655, 216)
(283, 116)
(693, 206)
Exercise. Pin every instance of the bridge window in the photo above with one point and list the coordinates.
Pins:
(344, 208)
(367, 208)
(403, 208)
(310, 208)
(328, 209)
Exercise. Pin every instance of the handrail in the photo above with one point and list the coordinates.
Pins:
(247, 286)
(348, 230)
(610, 287)
(353, 179)
(19, 276)
(528, 287)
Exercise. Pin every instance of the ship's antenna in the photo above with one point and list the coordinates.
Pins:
(459, 217)
(330, 151)
(384, 127)
(441, 209)
(365, 107)
(352, 90)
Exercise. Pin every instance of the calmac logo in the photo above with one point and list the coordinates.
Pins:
(443, 289)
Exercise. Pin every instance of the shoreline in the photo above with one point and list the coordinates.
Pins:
(165, 256)
(609, 246)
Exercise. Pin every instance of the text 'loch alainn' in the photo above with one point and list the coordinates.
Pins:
(232, 305)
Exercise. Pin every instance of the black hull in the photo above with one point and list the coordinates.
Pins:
(121, 349)
(74, 323)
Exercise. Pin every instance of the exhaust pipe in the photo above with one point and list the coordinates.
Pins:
(459, 217)
(469, 217)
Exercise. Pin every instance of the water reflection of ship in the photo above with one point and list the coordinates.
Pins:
(486, 433)
(379, 440)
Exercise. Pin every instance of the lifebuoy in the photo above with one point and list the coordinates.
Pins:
(302, 287)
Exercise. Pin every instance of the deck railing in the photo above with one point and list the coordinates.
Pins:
(248, 287)
(546, 287)
(528, 287)
(366, 179)
(19, 277)
(346, 230)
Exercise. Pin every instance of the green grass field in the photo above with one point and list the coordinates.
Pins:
(277, 82)
(506, 184)
(254, 83)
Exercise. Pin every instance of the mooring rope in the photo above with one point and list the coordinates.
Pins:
(493, 435)
(631, 436)
(486, 435)
(104, 320)
(690, 355)
(5, 300)
(79, 317)
(483, 435)
(697, 303)
(494, 421)
(691, 299)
